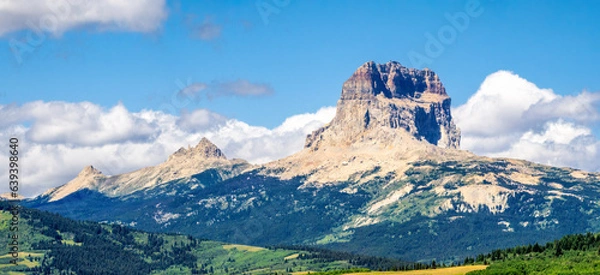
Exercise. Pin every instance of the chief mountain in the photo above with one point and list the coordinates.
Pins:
(385, 177)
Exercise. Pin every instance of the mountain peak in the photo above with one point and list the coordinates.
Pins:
(209, 149)
(181, 164)
(205, 149)
(387, 116)
(392, 80)
(381, 103)
(87, 178)
(89, 171)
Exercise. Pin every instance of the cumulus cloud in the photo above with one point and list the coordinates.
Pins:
(200, 120)
(57, 139)
(260, 145)
(57, 17)
(80, 124)
(511, 117)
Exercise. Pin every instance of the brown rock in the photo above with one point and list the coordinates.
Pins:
(389, 95)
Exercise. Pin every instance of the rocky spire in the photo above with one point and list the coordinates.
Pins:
(379, 101)
(89, 171)
(205, 149)
(209, 149)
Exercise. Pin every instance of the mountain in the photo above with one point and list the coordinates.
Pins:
(388, 115)
(51, 244)
(182, 164)
(379, 98)
(385, 177)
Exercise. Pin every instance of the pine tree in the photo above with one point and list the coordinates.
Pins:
(558, 251)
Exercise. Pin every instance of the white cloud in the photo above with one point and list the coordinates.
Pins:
(511, 117)
(59, 16)
(499, 105)
(260, 145)
(57, 139)
(559, 144)
(581, 108)
(558, 132)
(79, 124)
(200, 120)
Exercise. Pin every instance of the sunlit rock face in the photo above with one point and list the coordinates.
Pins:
(379, 97)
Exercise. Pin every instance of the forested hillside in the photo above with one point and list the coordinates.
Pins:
(572, 254)
(51, 244)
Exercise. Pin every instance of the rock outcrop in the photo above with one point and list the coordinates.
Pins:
(390, 96)
(388, 116)
(205, 150)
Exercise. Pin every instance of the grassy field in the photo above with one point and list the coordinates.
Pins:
(243, 247)
(23, 259)
(293, 256)
(70, 242)
(460, 270)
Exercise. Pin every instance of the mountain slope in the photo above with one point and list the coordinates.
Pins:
(385, 177)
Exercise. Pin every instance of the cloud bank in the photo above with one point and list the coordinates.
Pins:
(511, 117)
(59, 16)
(57, 139)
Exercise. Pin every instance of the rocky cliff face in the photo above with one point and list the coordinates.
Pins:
(378, 97)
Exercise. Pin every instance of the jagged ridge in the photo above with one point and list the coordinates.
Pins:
(181, 164)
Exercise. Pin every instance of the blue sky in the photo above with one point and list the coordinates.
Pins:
(121, 85)
(304, 52)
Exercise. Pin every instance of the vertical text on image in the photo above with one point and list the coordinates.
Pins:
(13, 184)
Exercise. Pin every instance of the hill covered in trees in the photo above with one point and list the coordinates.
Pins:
(572, 254)
(51, 244)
